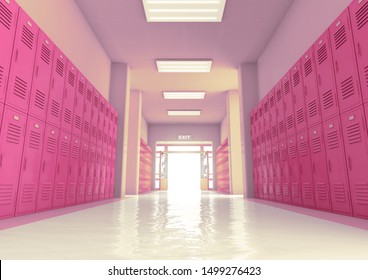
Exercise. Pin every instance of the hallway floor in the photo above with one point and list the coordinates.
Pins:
(164, 226)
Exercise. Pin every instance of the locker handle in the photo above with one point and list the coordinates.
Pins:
(319, 79)
(53, 83)
(314, 168)
(25, 164)
(349, 162)
(305, 90)
(359, 50)
(337, 66)
(84, 108)
(70, 169)
(58, 168)
(66, 93)
(301, 169)
(285, 106)
(79, 170)
(16, 55)
(294, 98)
(37, 71)
(43, 166)
(76, 101)
(1, 159)
(329, 165)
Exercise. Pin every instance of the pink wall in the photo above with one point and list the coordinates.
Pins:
(305, 21)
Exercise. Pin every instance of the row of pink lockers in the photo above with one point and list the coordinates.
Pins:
(38, 83)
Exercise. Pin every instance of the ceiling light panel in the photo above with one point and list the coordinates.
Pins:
(184, 66)
(183, 95)
(184, 113)
(184, 10)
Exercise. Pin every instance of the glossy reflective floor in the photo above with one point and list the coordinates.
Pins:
(167, 226)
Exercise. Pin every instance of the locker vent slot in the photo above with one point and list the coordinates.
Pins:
(59, 191)
(84, 153)
(67, 116)
(332, 140)
(268, 135)
(339, 194)
(46, 192)
(95, 101)
(5, 16)
(278, 95)
(81, 88)
(102, 108)
(365, 72)
(274, 131)
(20, 88)
(296, 78)
(93, 131)
(75, 152)
(287, 87)
(285, 191)
(327, 100)
(340, 37)
(1, 74)
(64, 149)
(361, 193)
(303, 149)
(28, 193)
(362, 15)
(14, 134)
(272, 101)
(6, 197)
(354, 134)
(55, 108)
(312, 108)
(40, 100)
(316, 145)
(89, 95)
(78, 122)
(260, 112)
(276, 156)
(300, 115)
(269, 158)
(262, 136)
(307, 67)
(295, 190)
(51, 145)
(60, 67)
(321, 192)
(265, 108)
(292, 151)
(290, 123)
(86, 127)
(99, 136)
(92, 156)
(71, 78)
(307, 191)
(27, 37)
(46, 54)
(347, 88)
(322, 54)
(35, 140)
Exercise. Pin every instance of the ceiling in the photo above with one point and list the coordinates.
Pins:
(126, 36)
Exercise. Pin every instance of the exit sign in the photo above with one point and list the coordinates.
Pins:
(184, 137)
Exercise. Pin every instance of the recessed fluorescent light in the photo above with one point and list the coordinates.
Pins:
(184, 10)
(184, 66)
(184, 95)
(184, 112)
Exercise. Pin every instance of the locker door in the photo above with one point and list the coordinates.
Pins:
(277, 172)
(83, 169)
(1, 114)
(106, 128)
(69, 97)
(11, 142)
(267, 122)
(8, 23)
(21, 69)
(326, 77)
(87, 111)
(71, 187)
(103, 174)
(108, 188)
(312, 102)
(298, 96)
(306, 173)
(296, 194)
(259, 186)
(47, 172)
(348, 91)
(320, 171)
(356, 152)
(94, 117)
(101, 120)
(273, 118)
(97, 175)
(358, 15)
(261, 125)
(62, 168)
(337, 171)
(79, 105)
(288, 104)
(280, 110)
(56, 88)
(90, 172)
(116, 129)
(285, 172)
(270, 174)
(112, 175)
(30, 169)
(41, 77)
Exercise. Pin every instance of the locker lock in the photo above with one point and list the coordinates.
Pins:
(47, 42)
(351, 118)
(360, 1)
(315, 132)
(330, 125)
(52, 132)
(320, 42)
(338, 23)
(16, 117)
(7, 1)
(29, 23)
(36, 125)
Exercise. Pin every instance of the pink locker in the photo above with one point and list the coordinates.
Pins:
(82, 171)
(320, 171)
(310, 88)
(1, 114)
(97, 175)
(288, 104)
(347, 82)
(108, 187)
(11, 142)
(356, 152)
(90, 172)
(273, 117)
(112, 182)
(69, 97)
(62, 169)
(296, 194)
(8, 23)
(255, 172)
(298, 96)
(94, 117)
(285, 171)
(79, 105)
(87, 111)
(22, 62)
(326, 77)
(41, 77)
(73, 172)
(103, 170)
(305, 172)
(280, 111)
(337, 171)
(30, 169)
(261, 125)
(56, 88)
(260, 180)
(47, 169)
(267, 120)
(270, 174)
(358, 15)
(101, 121)
(115, 129)
(277, 172)
(106, 128)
